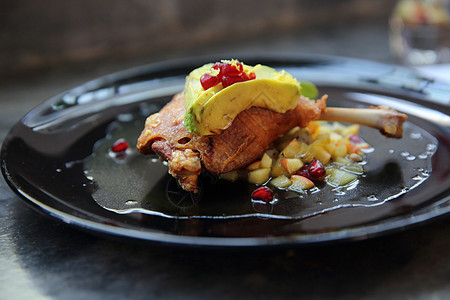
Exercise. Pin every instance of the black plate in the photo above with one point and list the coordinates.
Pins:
(57, 159)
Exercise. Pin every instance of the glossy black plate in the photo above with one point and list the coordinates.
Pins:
(57, 159)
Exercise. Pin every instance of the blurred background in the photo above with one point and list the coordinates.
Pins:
(40, 36)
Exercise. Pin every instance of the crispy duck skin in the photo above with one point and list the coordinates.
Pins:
(245, 140)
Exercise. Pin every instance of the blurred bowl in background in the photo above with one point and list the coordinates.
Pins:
(420, 31)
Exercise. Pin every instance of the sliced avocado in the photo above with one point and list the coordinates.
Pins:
(213, 110)
(309, 90)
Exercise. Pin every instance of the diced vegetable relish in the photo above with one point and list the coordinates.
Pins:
(333, 146)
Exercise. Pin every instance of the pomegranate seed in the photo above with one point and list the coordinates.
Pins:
(303, 172)
(232, 70)
(244, 77)
(207, 81)
(120, 145)
(228, 75)
(313, 170)
(355, 139)
(262, 194)
(316, 170)
(229, 80)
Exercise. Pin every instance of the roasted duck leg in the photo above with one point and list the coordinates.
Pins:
(246, 139)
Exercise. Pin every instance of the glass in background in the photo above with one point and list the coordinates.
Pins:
(420, 31)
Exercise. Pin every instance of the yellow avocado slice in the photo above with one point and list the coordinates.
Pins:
(213, 110)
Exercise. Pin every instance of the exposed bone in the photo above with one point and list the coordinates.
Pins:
(389, 122)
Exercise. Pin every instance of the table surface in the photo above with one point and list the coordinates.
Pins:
(41, 258)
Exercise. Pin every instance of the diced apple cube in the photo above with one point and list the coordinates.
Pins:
(340, 151)
(300, 183)
(291, 164)
(355, 157)
(319, 143)
(342, 160)
(259, 176)
(354, 168)
(321, 154)
(293, 149)
(306, 154)
(352, 148)
(277, 168)
(254, 166)
(331, 148)
(322, 136)
(308, 157)
(266, 161)
(363, 145)
(281, 181)
(339, 177)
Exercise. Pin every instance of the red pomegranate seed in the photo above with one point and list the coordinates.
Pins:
(228, 75)
(313, 170)
(120, 145)
(355, 139)
(303, 172)
(316, 170)
(207, 81)
(229, 80)
(262, 194)
(231, 70)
